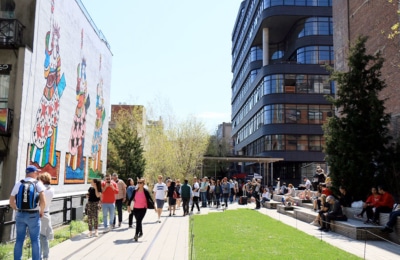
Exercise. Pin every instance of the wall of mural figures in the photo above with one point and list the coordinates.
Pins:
(66, 96)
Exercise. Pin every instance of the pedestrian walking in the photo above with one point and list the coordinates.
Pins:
(142, 201)
(109, 190)
(129, 192)
(119, 198)
(196, 195)
(93, 205)
(186, 194)
(160, 192)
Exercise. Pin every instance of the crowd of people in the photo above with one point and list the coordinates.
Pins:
(111, 193)
(210, 192)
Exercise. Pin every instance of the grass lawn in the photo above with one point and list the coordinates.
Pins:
(247, 234)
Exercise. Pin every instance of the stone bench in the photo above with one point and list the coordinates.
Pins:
(271, 204)
(305, 214)
(358, 230)
(285, 209)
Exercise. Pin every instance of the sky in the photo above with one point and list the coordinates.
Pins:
(173, 56)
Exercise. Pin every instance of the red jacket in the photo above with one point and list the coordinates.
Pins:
(385, 201)
(373, 199)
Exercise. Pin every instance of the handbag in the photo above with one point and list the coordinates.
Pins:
(150, 202)
(130, 206)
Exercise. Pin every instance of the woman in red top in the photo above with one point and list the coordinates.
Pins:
(369, 205)
(142, 201)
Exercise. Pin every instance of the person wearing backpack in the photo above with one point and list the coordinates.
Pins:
(28, 200)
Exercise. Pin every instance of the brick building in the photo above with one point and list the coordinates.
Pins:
(352, 18)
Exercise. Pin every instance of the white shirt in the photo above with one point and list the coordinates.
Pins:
(160, 189)
(266, 195)
(196, 186)
(49, 194)
(308, 184)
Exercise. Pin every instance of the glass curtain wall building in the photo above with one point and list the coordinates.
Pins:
(279, 52)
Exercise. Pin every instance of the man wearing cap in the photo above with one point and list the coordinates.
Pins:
(28, 218)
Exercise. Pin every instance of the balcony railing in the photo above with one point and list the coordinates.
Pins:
(10, 32)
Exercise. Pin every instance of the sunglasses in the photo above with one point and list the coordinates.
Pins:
(140, 182)
(108, 179)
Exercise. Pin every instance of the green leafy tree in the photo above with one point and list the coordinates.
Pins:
(175, 149)
(190, 140)
(357, 135)
(125, 153)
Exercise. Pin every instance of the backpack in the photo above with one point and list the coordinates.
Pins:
(27, 197)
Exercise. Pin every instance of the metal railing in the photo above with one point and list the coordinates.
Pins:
(61, 209)
(10, 32)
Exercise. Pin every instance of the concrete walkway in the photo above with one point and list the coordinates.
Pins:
(170, 239)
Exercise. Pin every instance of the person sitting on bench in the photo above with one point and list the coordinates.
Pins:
(289, 196)
(266, 196)
(392, 221)
(335, 213)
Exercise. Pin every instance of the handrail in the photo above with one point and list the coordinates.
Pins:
(67, 198)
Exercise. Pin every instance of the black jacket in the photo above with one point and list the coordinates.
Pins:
(150, 202)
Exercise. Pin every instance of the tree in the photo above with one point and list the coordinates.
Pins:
(357, 135)
(125, 150)
(190, 140)
(175, 149)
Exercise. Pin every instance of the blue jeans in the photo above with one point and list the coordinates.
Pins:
(31, 221)
(393, 218)
(203, 196)
(108, 208)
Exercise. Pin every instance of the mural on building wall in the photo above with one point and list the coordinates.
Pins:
(43, 150)
(95, 165)
(74, 160)
(65, 109)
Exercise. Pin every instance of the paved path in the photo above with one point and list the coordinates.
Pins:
(170, 240)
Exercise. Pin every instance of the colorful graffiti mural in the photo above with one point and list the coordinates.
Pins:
(67, 130)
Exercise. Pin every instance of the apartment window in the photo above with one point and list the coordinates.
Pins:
(315, 142)
(315, 55)
(315, 26)
(256, 53)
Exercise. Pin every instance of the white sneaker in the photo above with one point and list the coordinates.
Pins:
(315, 223)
